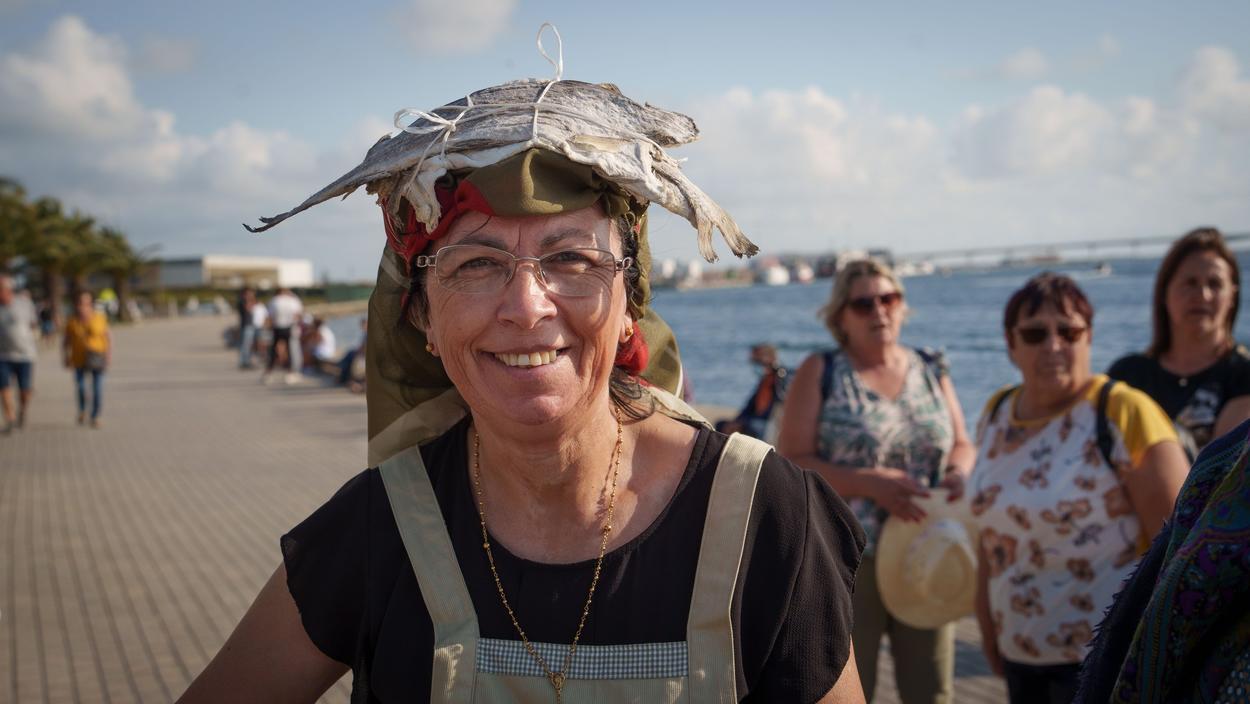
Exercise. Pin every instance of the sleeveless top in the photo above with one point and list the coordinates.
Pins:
(857, 427)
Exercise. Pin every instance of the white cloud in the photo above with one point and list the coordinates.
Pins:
(437, 27)
(1212, 88)
(1047, 131)
(799, 169)
(71, 126)
(1026, 64)
(165, 55)
(804, 170)
(74, 81)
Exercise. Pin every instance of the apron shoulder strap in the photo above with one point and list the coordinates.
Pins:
(421, 526)
(709, 631)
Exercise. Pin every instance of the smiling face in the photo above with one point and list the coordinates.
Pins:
(1059, 363)
(523, 354)
(873, 314)
(1200, 297)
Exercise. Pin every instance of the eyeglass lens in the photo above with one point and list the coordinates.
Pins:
(865, 305)
(568, 272)
(1036, 336)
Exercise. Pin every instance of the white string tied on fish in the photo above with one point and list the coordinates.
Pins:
(447, 127)
(558, 65)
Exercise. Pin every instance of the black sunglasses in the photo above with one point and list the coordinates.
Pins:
(1036, 336)
(865, 305)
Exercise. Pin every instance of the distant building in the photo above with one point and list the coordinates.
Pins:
(228, 272)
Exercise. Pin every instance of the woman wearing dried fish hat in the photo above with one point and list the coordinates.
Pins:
(560, 527)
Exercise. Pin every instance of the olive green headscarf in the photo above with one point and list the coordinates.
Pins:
(410, 399)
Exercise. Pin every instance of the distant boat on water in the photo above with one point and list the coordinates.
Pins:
(1103, 269)
(774, 275)
(803, 273)
(921, 268)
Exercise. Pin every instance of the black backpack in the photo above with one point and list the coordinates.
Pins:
(1102, 429)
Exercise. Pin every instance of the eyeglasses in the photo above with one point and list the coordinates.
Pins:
(865, 305)
(475, 268)
(1070, 334)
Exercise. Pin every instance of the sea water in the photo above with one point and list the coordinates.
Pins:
(959, 314)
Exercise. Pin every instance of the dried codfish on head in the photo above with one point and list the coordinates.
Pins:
(529, 147)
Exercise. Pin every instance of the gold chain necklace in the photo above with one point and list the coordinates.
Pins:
(555, 678)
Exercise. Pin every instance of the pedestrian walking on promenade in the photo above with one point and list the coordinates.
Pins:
(18, 323)
(543, 526)
(1194, 368)
(881, 423)
(285, 309)
(247, 326)
(1075, 474)
(88, 350)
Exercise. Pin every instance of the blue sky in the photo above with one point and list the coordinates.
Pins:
(904, 125)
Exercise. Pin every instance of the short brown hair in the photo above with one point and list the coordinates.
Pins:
(1202, 239)
(842, 282)
(1047, 287)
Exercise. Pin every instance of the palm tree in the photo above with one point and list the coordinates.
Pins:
(122, 262)
(86, 253)
(52, 246)
(16, 222)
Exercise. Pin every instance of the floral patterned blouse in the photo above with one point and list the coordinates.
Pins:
(858, 427)
(1056, 523)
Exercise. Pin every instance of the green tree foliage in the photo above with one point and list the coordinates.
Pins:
(63, 247)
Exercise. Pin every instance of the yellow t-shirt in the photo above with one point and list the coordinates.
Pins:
(1057, 525)
(82, 338)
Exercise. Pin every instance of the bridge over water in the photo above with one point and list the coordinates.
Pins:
(1043, 251)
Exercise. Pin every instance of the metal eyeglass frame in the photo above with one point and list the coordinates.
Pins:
(424, 261)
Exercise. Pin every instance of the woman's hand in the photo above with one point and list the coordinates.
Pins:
(985, 619)
(954, 483)
(989, 648)
(893, 489)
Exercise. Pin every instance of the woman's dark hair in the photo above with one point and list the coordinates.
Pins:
(624, 389)
(1058, 290)
(1203, 239)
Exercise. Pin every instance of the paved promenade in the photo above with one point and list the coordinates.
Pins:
(127, 554)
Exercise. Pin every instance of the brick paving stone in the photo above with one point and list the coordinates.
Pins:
(128, 554)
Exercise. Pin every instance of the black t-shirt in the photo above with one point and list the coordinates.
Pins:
(1192, 402)
(360, 603)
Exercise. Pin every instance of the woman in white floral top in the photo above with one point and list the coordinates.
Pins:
(1065, 502)
(881, 423)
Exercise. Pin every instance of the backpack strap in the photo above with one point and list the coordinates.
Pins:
(934, 361)
(998, 401)
(1102, 425)
(826, 377)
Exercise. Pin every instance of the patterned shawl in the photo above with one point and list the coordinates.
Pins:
(1181, 625)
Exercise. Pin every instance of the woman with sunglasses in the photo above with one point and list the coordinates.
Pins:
(1075, 474)
(1194, 368)
(881, 423)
